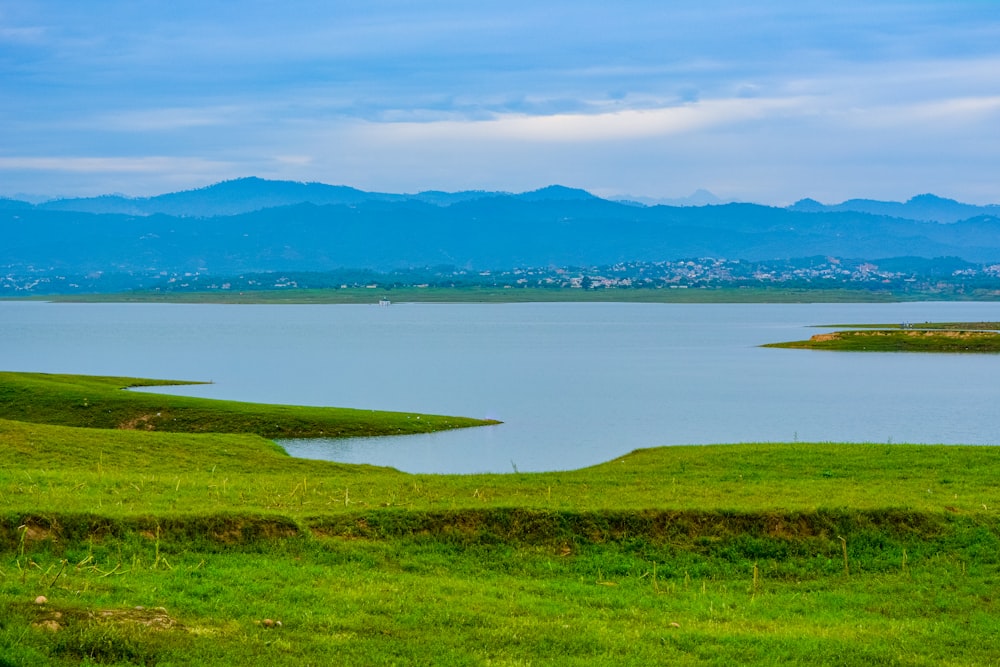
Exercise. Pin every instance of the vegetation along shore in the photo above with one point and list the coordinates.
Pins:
(964, 337)
(397, 295)
(123, 545)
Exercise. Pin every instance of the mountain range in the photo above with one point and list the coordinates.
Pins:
(253, 224)
(244, 195)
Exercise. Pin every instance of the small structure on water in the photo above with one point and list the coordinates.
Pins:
(384, 302)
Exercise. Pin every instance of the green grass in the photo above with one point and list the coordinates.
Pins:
(160, 548)
(415, 601)
(99, 402)
(126, 473)
(901, 340)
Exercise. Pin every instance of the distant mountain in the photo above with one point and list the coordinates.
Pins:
(556, 193)
(699, 197)
(11, 204)
(439, 198)
(926, 207)
(256, 225)
(551, 227)
(244, 195)
(226, 198)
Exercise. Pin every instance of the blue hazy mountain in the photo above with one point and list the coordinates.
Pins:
(244, 195)
(922, 207)
(257, 225)
(556, 193)
(226, 198)
(11, 204)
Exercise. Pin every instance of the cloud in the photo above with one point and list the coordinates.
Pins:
(934, 116)
(640, 96)
(596, 127)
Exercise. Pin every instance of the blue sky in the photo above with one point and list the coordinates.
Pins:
(765, 101)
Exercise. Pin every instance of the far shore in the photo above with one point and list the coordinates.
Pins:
(517, 295)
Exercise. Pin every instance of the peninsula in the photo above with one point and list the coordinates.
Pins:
(962, 337)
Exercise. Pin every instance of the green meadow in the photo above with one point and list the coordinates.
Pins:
(201, 542)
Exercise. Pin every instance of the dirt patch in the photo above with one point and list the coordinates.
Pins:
(877, 333)
(788, 527)
(34, 533)
(51, 625)
(155, 618)
(140, 423)
(247, 531)
(951, 334)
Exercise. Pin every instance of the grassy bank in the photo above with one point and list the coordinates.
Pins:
(158, 548)
(100, 402)
(120, 473)
(975, 337)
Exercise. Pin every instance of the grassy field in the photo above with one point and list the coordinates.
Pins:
(178, 548)
(965, 337)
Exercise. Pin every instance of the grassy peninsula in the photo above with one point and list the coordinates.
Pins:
(100, 402)
(963, 337)
(146, 547)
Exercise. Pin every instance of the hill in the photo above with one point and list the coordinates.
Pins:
(244, 195)
(926, 207)
(253, 225)
(490, 233)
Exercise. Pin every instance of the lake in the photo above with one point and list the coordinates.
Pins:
(575, 384)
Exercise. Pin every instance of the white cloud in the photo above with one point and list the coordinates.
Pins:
(626, 124)
(932, 116)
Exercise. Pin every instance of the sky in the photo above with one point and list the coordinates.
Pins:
(766, 101)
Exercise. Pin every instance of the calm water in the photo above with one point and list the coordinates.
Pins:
(575, 384)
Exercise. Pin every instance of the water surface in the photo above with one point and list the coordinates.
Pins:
(575, 384)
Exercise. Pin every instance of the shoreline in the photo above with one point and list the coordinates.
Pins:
(398, 295)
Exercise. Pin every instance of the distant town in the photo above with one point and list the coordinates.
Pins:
(944, 276)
